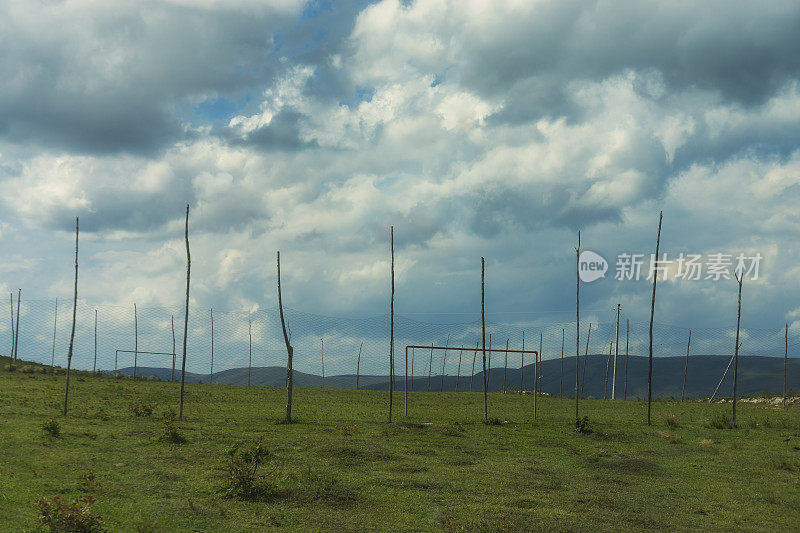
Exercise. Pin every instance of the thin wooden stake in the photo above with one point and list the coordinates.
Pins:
(785, 359)
(739, 279)
(430, 365)
(505, 368)
(186, 313)
(536, 371)
(586, 359)
(444, 360)
(94, 365)
(577, 320)
(474, 357)
(250, 348)
(522, 365)
(136, 340)
(289, 349)
(74, 313)
(652, 316)
(616, 354)
(16, 331)
(322, 355)
(608, 363)
(483, 336)
(686, 367)
(358, 364)
(13, 330)
(458, 373)
(172, 376)
(561, 387)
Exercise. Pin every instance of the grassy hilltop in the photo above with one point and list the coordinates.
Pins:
(342, 467)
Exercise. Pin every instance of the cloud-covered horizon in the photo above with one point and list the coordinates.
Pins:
(476, 128)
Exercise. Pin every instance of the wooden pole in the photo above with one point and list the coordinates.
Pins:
(211, 374)
(444, 360)
(505, 368)
(55, 322)
(537, 370)
(94, 365)
(490, 357)
(405, 383)
(391, 331)
(739, 279)
(172, 376)
(483, 336)
(13, 330)
(586, 358)
(627, 332)
(322, 355)
(561, 387)
(686, 366)
(458, 373)
(723, 377)
(577, 320)
(652, 315)
(16, 331)
(785, 360)
(289, 349)
(358, 365)
(74, 313)
(186, 313)
(616, 354)
(412, 368)
(522, 365)
(608, 363)
(136, 340)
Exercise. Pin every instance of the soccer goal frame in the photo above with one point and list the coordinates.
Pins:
(135, 361)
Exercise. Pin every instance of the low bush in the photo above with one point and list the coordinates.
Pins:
(75, 516)
(720, 421)
(142, 408)
(244, 481)
(582, 426)
(52, 428)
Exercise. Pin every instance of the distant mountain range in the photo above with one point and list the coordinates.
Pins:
(756, 375)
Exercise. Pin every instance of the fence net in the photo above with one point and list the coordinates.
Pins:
(254, 339)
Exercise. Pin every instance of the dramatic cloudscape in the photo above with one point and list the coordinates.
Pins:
(475, 127)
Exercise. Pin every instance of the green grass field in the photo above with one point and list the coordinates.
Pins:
(342, 467)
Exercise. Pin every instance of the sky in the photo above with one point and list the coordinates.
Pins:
(477, 128)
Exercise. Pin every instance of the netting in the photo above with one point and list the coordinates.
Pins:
(150, 329)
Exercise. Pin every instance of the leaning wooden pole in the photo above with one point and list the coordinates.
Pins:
(474, 357)
(172, 375)
(577, 320)
(289, 349)
(458, 372)
(608, 362)
(483, 336)
(358, 364)
(444, 360)
(652, 316)
(13, 330)
(616, 354)
(74, 313)
(586, 358)
(185, 313)
(391, 331)
(739, 279)
(94, 365)
(686, 367)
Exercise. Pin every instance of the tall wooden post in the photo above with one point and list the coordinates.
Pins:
(172, 376)
(561, 386)
(74, 313)
(537, 370)
(391, 331)
(608, 363)
(322, 356)
(94, 365)
(249, 348)
(13, 329)
(186, 313)
(686, 367)
(135, 341)
(785, 360)
(430, 366)
(522, 364)
(483, 336)
(739, 279)
(289, 349)
(358, 367)
(577, 320)
(16, 331)
(616, 354)
(652, 315)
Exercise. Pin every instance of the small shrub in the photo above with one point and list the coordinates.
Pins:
(243, 481)
(52, 428)
(142, 408)
(720, 421)
(75, 516)
(169, 432)
(671, 420)
(582, 426)
(493, 421)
